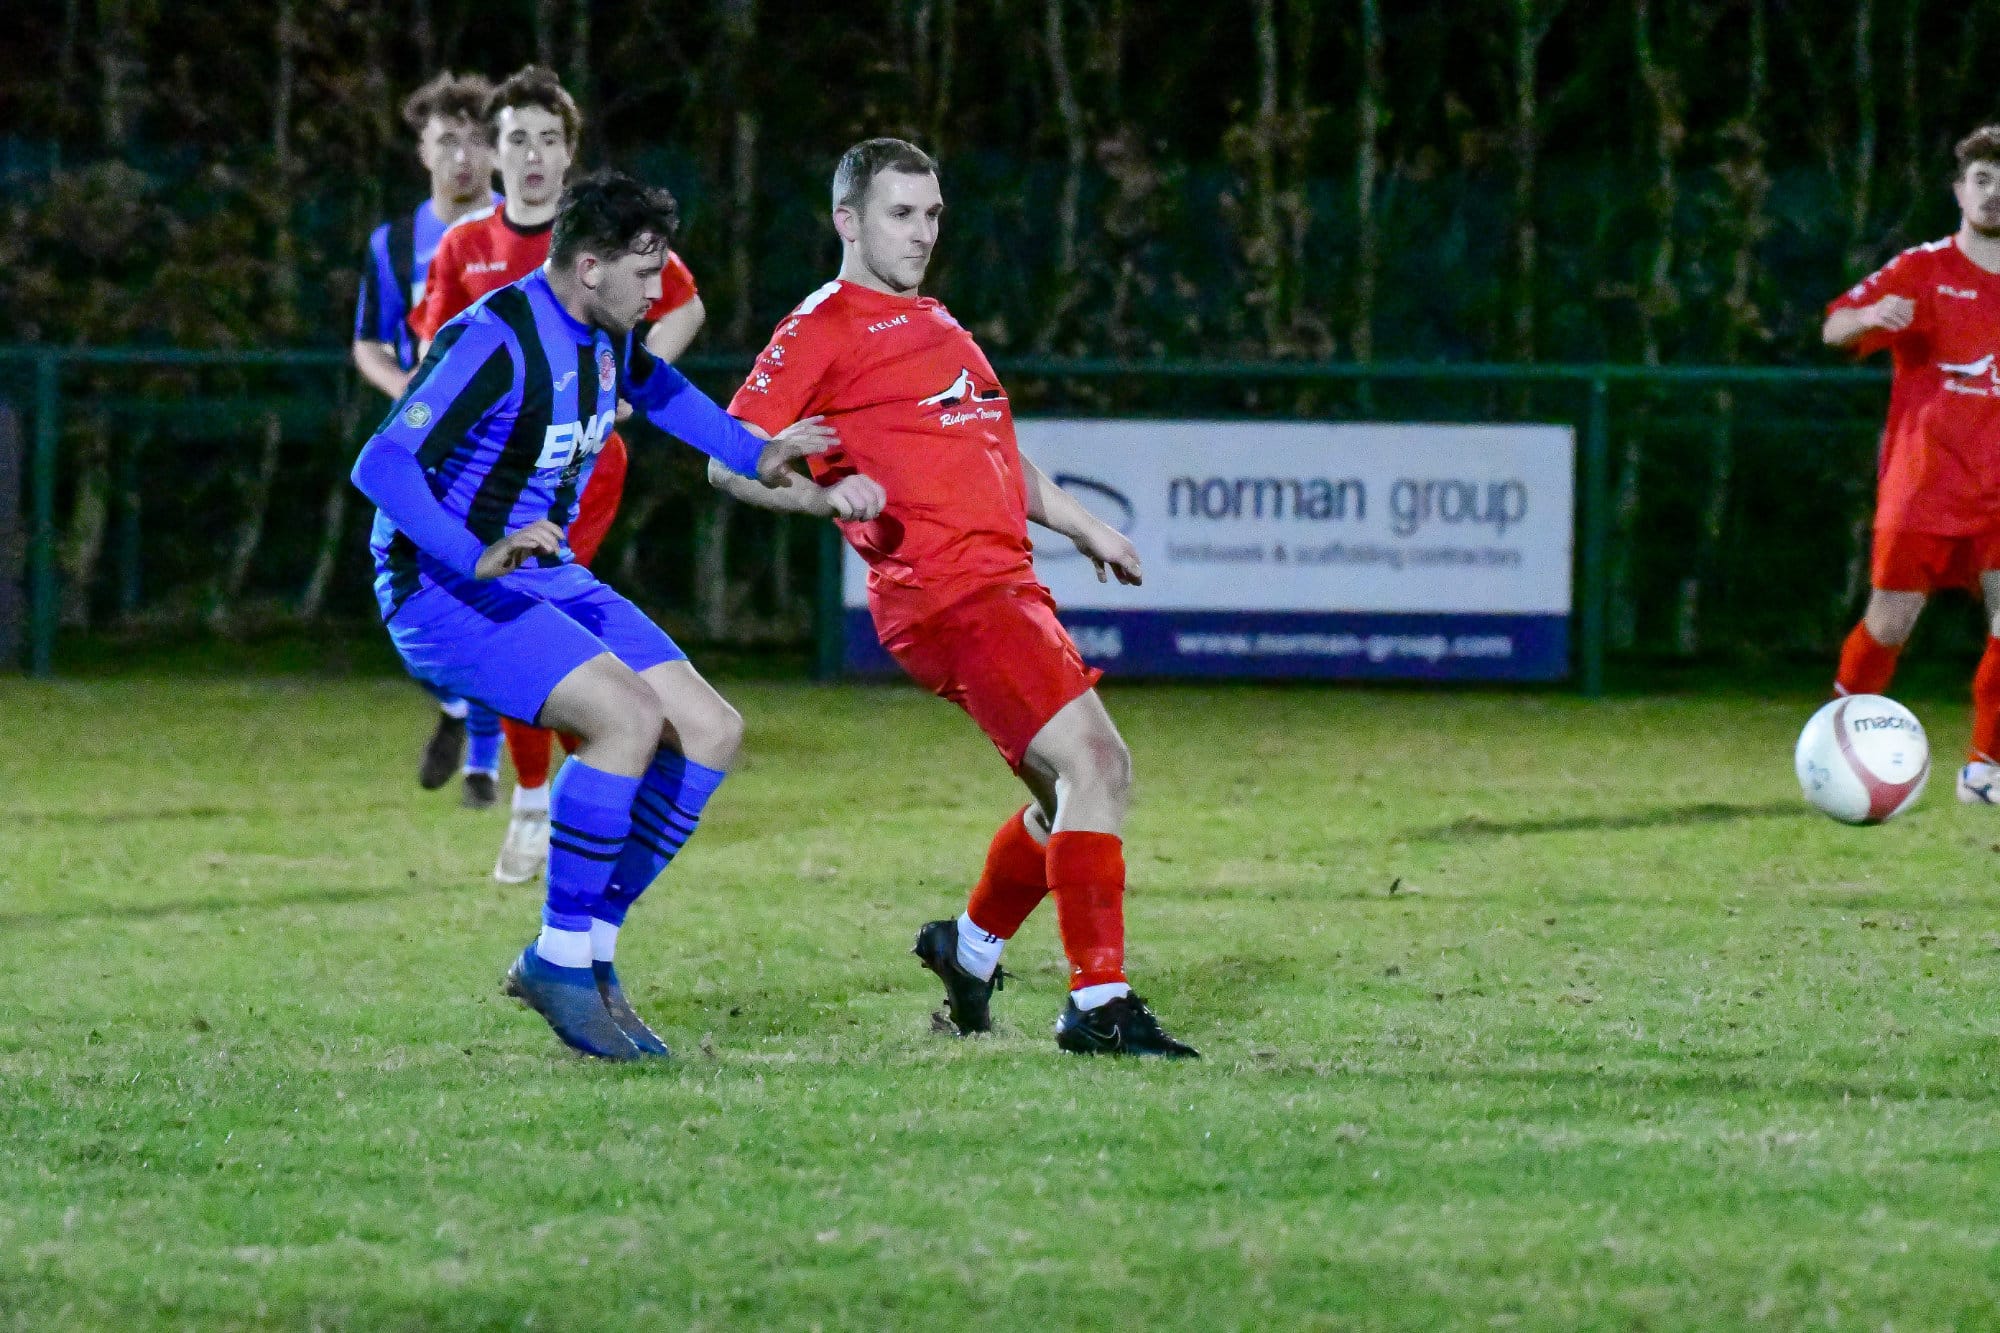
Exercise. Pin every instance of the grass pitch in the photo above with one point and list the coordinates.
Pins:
(1519, 1011)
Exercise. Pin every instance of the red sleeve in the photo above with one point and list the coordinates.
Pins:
(788, 381)
(444, 295)
(676, 289)
(1906, 275)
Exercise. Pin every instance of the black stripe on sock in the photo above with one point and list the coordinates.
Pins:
(573, 831)
(556, 845)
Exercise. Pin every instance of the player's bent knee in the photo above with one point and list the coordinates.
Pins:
(1103, 764)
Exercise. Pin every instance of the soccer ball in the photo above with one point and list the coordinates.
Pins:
(1863, 759)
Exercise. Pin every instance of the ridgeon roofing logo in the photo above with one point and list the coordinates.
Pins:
(1104, 501)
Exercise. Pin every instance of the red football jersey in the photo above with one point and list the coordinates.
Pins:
(920, 410)
(1939, 469)
(484, 252)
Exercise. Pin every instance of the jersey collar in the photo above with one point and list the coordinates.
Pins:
(536, 284)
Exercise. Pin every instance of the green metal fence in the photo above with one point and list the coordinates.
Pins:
(1720, 509)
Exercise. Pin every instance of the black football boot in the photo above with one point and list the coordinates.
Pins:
(966, 997)
(1124, 1026)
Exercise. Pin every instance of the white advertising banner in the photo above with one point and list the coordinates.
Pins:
(1304, 548)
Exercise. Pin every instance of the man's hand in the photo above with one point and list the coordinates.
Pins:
(1891, 314)
(855, 499)
(799, 440)
(512, 551)
(1110, 550)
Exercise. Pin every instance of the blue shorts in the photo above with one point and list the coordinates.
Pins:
(508, 642)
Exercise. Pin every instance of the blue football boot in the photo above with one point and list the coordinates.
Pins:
(567, 997)
(623, 1014)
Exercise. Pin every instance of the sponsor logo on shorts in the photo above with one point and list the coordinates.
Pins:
(1962, 293)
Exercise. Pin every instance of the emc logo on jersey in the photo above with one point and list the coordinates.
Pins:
(581, 437)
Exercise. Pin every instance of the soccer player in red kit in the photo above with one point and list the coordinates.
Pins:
(1936, 309)
(536, 124)
(952, 590)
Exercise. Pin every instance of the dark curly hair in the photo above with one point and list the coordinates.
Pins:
(607, 214)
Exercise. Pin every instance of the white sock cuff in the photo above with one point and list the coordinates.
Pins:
(603, 941)
(1090, 997)
(564, 948)
(978, 948)
(532, 798)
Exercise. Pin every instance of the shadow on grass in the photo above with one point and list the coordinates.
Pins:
(210, 904)
(1671, 816)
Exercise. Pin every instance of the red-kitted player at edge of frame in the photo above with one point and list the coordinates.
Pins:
(1936, 309)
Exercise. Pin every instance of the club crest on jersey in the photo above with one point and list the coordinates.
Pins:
(962, 392)
(417, 416)
(1978, 379)
(607, 370)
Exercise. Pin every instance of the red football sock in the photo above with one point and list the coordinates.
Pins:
(1087, 875)
(1866, 666)
(569, 742)
(1013, 883)
(1986, 705)
(529, 747)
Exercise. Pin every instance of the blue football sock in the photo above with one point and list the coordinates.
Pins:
(482, 733)
(590, 814)
(664, 814)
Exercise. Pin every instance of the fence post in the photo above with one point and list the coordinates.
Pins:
(1592, 587)
(42, 610)
(12, 547)
(829, 611)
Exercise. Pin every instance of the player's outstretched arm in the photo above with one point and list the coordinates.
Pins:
(686, 413)
(856, 498)
(1109, 550)
(1850, 324)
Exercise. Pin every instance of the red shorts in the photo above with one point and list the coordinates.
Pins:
(1905, 561)
(598, 504)
(1003, 657)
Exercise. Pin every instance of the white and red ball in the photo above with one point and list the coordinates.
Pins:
(1863, 759)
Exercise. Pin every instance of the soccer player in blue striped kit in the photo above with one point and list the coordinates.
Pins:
(454, 143)
(476, 474)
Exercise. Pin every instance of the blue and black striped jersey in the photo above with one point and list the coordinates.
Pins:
(506, 416)
(393, 271)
